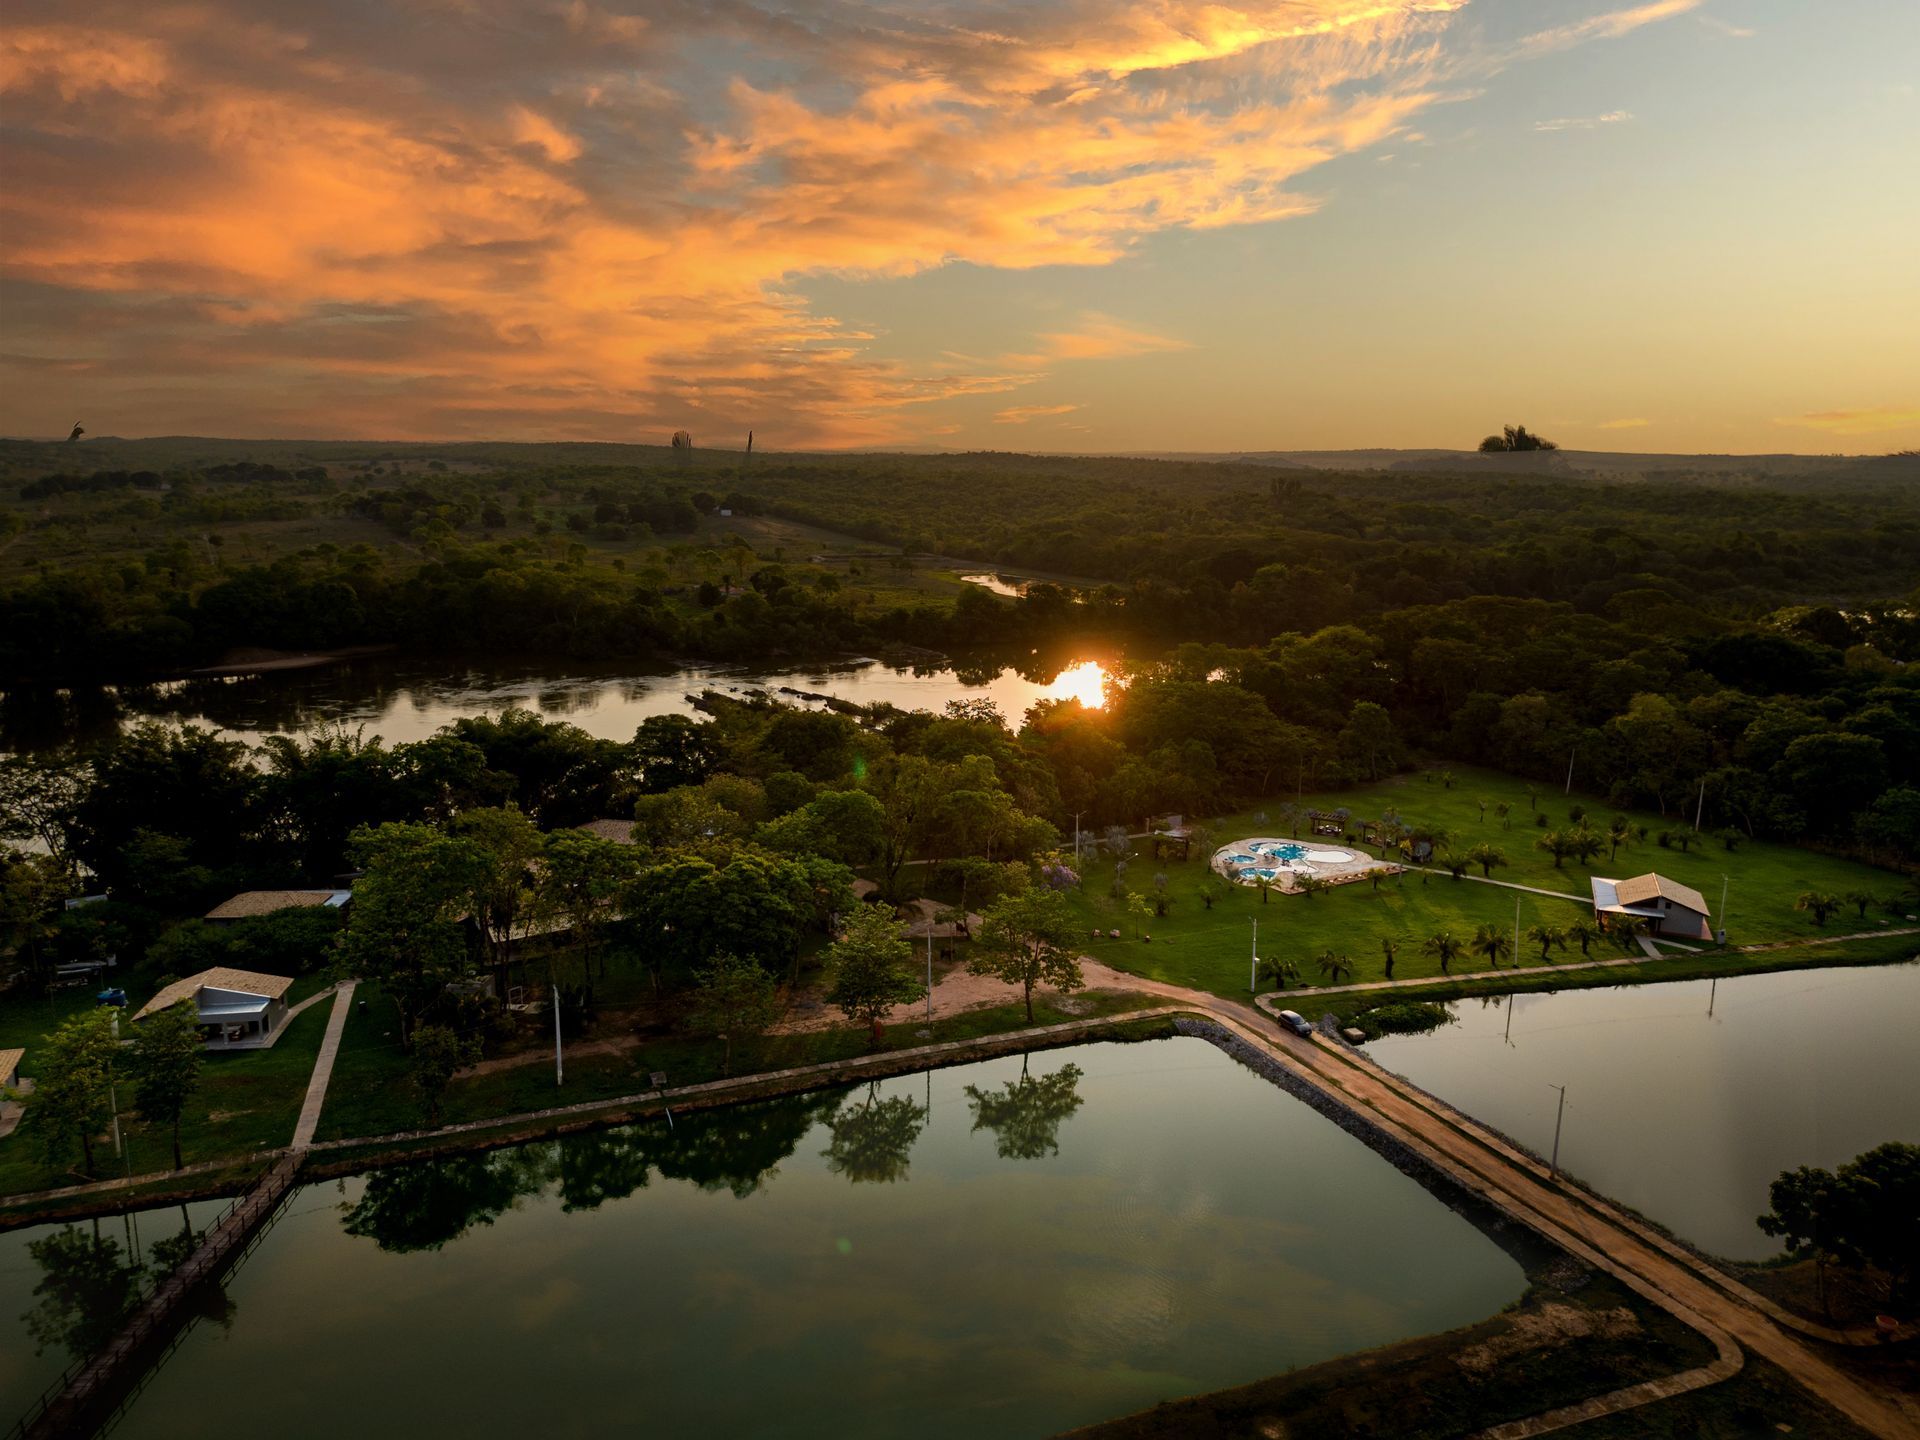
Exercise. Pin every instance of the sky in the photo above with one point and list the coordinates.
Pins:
(1675, 225)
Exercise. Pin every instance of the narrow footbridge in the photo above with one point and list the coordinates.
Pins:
(90, 1393)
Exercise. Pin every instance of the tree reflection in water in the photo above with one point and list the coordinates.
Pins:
(427, 1203)
(874, 1140)
(1025, 1114)
(90, 1286)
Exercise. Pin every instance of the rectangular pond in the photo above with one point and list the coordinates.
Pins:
(1686, 1101)
(1005, 1248)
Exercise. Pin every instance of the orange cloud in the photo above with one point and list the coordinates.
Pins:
(1022, 414)
(570, 221)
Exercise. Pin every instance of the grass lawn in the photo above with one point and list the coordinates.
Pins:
(372, 1095)
(1209, 949)
(247, 1101)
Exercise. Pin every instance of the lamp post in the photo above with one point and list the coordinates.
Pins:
(1253, 963)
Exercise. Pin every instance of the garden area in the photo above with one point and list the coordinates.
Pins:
(1205, 937)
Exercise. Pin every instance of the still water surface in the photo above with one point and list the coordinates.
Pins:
(873, 1263)
(404, 701)
(1685, 1101)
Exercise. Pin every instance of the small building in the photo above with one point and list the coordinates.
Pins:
(250, 904)
(1671, 910)
(235, 1009)
(10, 1068)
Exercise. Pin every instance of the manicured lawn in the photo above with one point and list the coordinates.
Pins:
(1209, 949)
(372, 1095)
(246, 1101)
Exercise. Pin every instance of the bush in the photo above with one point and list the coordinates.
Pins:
(1402, 1017)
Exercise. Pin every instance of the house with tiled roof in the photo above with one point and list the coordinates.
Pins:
(1670, 910)
(250, 904)
(235, 1009)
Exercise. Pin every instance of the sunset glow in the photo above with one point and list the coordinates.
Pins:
(862, 226)
(1085, 681)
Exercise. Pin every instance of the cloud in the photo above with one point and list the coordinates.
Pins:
(1610, 25)
(1632, 424)
(1097, 337)
(1857, 422)
(1585, 122)
(1736, 32)
(1021, 414)
(492, 217)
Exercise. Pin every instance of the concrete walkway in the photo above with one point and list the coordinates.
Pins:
(1428, 981)
(1504, 884)
(323, 1066)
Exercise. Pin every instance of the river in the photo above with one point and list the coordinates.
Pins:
(954, 1254)
(404, 700)
(1685, 1101)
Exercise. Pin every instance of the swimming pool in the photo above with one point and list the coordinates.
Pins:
(1279, 849)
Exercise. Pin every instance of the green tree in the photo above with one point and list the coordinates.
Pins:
(86, 1291)
(1281, 973)
(1817, 903)
(73, 1075)
(871, 970)
(1334, 967)
(1444, 948)
(31, 889)
(166, 1057)
(1556, 843)
(1454, 863)
(439, 1052)
(1311, 885)
(404, 927)
(1515, 438)
(1027, 940)
(1387, 948)
(735, 999)
(1487, 857)
(580, 879)
(1861, 1215)
(508, 846)
(1492, 942)
(1546, 937)
(1861, 900)
(1583, 932)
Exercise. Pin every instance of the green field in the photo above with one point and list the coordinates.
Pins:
(1210, 949)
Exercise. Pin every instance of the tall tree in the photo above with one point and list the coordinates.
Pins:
(73, 1076)
(404, 927)
(1025, 1114)
(871, 969)
(166, 1057)
(1028, 940)
(734, 999)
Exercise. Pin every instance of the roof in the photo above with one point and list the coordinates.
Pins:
(618, 831)
(249, 903)
(863, 889)
(244, 982)
(1642, 888)
(10, 1062)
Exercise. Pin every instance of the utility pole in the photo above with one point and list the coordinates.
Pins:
(1516, 932)
(929, 972)
(1553, 1169)
(113, 1092)
(1570, 754)
(1076, 838)
(1700, 809)
(1253, 963)
(1723, 909)
(559, 1065)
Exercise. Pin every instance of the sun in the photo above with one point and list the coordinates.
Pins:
(1085, 681)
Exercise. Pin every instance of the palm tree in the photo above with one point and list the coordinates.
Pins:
(1310, 885)
(1444, 948)
(1335, 967)
(1492, 942)
(1505, 812)
(1387, 948)
(1557, 844)
(1583, 932)
(1281, 972)
(1819, 904)
(1264, 884)
(1860, 900)
(1487, 857)
(1546, 937)
(1454, 865)
(1619, 831)
(1583, 845)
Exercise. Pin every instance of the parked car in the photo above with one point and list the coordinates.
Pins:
(1296, 1022)
(115, 997)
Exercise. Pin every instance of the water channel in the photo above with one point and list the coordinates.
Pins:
(1685, 1101)
(964, 1253)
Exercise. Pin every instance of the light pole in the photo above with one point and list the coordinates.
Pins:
(559, 1065)
(1553, 1167)
(1253, 963)
(1076, 838)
